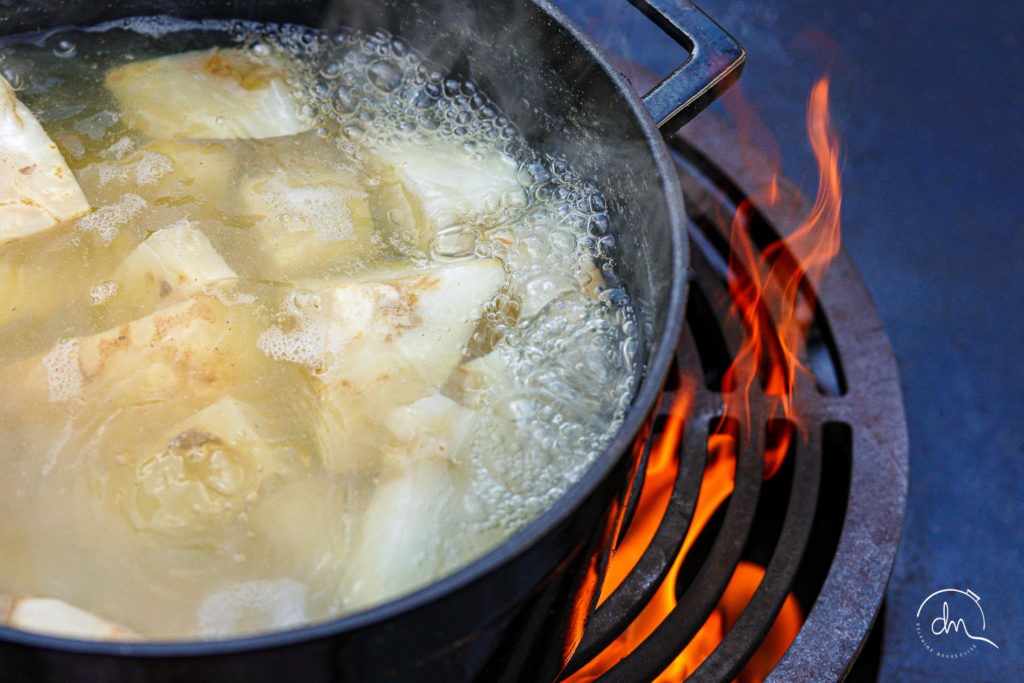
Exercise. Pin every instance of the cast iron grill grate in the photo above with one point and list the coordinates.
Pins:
(826, 525)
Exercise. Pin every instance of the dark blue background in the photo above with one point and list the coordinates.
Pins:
(928, 97)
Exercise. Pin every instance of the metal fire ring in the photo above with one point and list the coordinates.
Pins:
(852, 400)
(871, 404)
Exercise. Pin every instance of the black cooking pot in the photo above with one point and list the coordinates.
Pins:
(517, 612)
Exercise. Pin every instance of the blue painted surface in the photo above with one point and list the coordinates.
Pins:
(928, 97)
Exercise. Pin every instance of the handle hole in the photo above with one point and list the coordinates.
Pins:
(644, 53)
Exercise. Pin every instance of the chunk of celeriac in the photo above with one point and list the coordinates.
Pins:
(307, 219)
(200, 476)
(199, 168)
(406, 333)
(37, 189)
(306, 525)
(542, 288)
(195, 174)
(409, 331)
(419, 524)
(218, 93)
(433, 426)
(425, 188)
(57, 618)
(398, 547)
(173, 264)
(536, 283)
(476, 382)
(253, 606)
(371, 346)
(190, 351)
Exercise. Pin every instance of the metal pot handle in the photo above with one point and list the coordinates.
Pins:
(715, 63)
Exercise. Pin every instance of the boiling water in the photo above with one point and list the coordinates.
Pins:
(120, 503)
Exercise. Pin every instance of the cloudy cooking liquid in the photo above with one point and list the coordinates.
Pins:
(208, 541)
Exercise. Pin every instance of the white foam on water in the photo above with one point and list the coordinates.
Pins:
(305, 342)
(263, 604)
(102, 292)
(151, 167)
(106, 221)
(108, 172)
(322, 209)
(120, 148)
(63, 375)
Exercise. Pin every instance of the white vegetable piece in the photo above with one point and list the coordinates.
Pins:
(204, 473)
(404, 334)
(37, 189)
(201, 168)
(253, 606)
(434, 426)
(373, 345)
(398, 547)
(426, 188)
(189, 351)
(57, 618)
(307, 219)
(173, 264)
(184, 349)
(539, 290)
(306, 524)
(408, 331)
(188, 172)
(217, 93)
(541, 284)
(484, 377)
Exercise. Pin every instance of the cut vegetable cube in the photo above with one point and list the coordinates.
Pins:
(218, 93)
(478, 381)
(183, 172)
(191, 351)
(405, 334)
(57, 618)
(307, 220)
(173, 264)
(434, 426)
(426, 188)
(253, 606)
(37, 189)
(373, 345)
(201, 475)
(398, 547)
(306, 526)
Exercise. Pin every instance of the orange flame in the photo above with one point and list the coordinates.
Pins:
(773, 296)
(738, 593)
